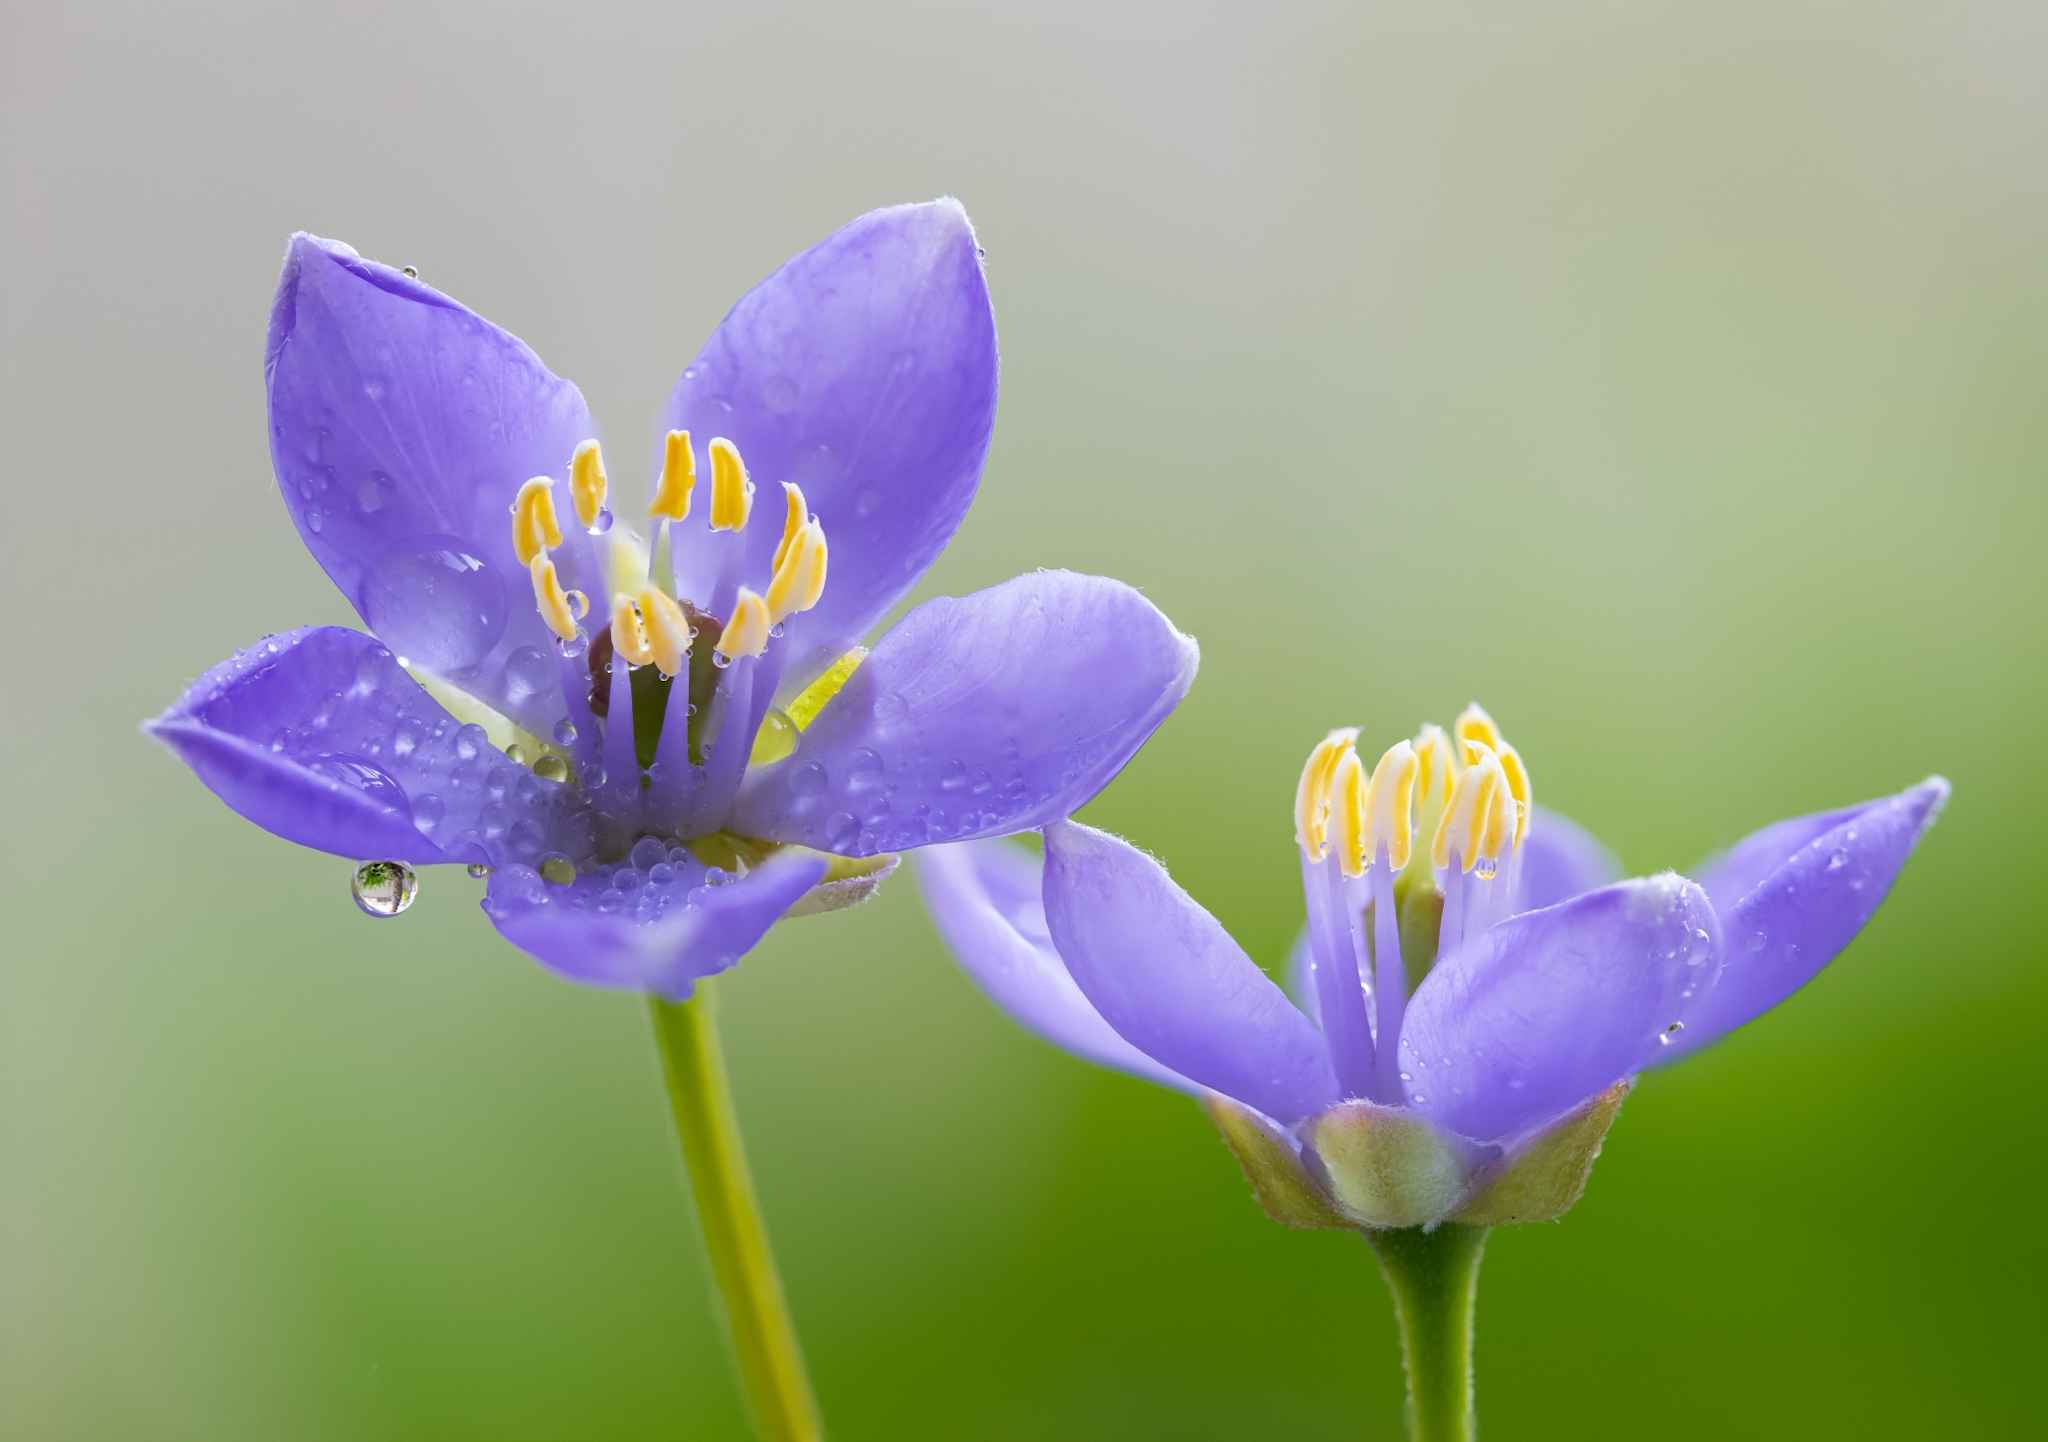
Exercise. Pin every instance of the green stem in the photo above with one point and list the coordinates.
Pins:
(1434, 1277)
(771, 1364)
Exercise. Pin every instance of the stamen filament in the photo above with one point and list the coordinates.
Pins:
(629, 638)
(1389, 984)
(678, 478)
(558, 608)
(588, 485)
(732, 494)
(1312, 793)
(534, 525)
(746, 634)
(668, 631)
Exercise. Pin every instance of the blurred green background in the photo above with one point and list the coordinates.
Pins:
(1669, 377)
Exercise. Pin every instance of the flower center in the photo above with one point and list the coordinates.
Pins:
(1381, 909)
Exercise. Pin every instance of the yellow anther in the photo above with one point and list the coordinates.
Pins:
(1390, 805)
(678, 478)
(558, 607)
(1312, 794)
(1518, 787)
(534, 527)
(799, 578)
(668, 631)
(1438, 767)
(1479, 821)
(793, 522)
(732, 494)
(746, 634)
(629, 634)
(1473, 724)
(587, 483)
(1350, 830)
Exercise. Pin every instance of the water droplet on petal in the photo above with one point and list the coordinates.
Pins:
(1664, 1036)
(557, 870)
(528, 671)
(384, 888)
(648, 851)
(435, 603)
(601, 522)
(551, 767)
(477, 870)
(565, 731)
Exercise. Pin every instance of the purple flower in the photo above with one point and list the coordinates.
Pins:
(1471, 1000)
(658, 729)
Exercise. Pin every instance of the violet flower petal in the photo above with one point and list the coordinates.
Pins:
(401, 426)
(574, 932)
(1538, 1013)
(1168, 977)
(986, 899)
(864, 370)
(1788, 925)
(1559, 860)
(320, 736)
(977, 717)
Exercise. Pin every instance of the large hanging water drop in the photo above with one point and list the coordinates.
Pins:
(384, 888)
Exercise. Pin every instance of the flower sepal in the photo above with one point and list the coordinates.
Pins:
(1361, 1167)
(1544, 1176)
(1353, 1167)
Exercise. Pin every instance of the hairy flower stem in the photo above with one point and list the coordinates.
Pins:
(771, 1364)
(1434, 1277)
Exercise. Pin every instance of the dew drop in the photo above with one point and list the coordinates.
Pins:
(954, 777)
(647, 852)
(863, 771)
(841, 831)
(435, 603)
(359, 775)
(1839, 860)
(557, 870)
(528, 671)
(565, 732)
(1486, 868)
(601, 522)
(1664, 1036)
(477, 870)
(720, 660)
(551, 767)
(316, 522)
(516, 754)
(384, 888)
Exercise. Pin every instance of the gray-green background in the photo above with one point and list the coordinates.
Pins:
(1669, 377)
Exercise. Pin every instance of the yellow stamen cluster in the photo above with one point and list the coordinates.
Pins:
(648, 626)
(1477, 780)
